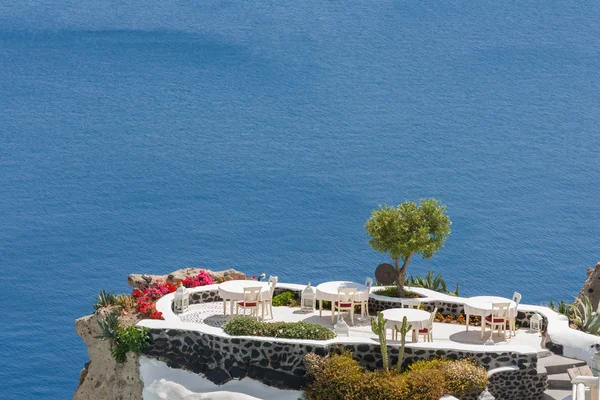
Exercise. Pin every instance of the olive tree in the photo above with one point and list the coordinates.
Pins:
(407, 230)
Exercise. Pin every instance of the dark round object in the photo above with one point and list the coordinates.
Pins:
(385, 274)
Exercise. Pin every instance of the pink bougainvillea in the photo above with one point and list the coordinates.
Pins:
(202, 279)
(147, 298)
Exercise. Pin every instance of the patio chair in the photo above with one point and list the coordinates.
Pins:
(272, 283)
(410, 303)
(345, 302)
(364, 303)
(582, 379)
(513, 323)
(251, 301)
(498, 319)
(428, 332)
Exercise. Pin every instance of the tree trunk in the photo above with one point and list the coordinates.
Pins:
(401, 274)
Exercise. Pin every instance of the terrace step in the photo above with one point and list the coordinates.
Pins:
(556, 364)
(559, 381)
(554, 394)
(544, 353)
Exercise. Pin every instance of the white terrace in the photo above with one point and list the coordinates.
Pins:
(444, 334)
(209, 317)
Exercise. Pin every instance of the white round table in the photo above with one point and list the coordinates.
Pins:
(481, 306)
(234, 291)
(419, 319)
(328, 291)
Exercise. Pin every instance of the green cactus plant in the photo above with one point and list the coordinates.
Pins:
(378, 328)
(404, 329)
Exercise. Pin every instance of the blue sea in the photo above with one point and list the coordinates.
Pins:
(147, 136)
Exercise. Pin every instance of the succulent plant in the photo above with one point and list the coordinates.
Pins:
(585, 316)
(378, 328)
(104, 299)
(403, 330)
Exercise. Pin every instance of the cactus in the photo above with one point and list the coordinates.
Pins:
(378, 328)
(404, 329)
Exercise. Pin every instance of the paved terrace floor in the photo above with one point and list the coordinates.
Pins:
(212, 315)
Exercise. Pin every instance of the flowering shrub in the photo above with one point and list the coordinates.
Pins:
(202, 279)
(156, 315)
(146, 298)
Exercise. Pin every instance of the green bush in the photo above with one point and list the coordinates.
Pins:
(122, 339)
(130, 338)
(286, 298)
(341, 377)
(104, 299)
(243, 326)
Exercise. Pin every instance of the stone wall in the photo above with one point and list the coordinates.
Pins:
(280, 364)
(517, 384)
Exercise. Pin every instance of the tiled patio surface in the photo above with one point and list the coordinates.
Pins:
(212, 314)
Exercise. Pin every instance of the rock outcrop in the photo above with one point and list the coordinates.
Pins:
(591, 287)
(142, 280)
(102, 378)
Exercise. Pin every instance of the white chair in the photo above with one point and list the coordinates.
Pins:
(251, 301)
(513, 323)
(345, 302)
(364, 303)
(498, 319)
(428, 332)
(272, 283)
(411, 303)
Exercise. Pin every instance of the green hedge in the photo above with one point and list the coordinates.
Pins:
(243, 326)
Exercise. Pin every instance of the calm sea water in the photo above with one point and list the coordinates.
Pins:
(147, 136)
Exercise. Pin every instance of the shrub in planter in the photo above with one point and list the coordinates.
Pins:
(391, 291)
(286, 298)
(341, 377)
(462, 377)
(243, 326)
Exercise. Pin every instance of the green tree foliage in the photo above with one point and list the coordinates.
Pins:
(407, 230)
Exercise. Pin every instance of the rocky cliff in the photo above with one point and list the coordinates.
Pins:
(102, 378)
(591, 287)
